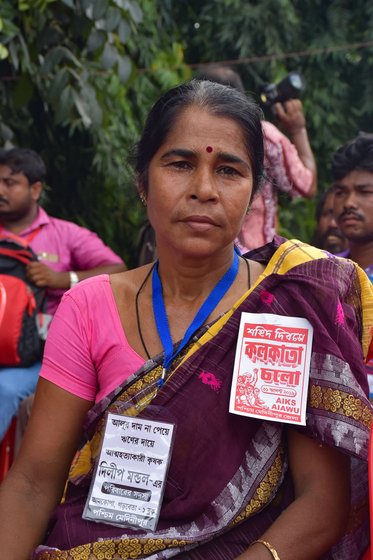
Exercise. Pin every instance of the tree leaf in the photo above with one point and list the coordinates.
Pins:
(96, 39)
(3, 52)
(109, 57)
(124, 31)
(60, 81)
(82, 109)
(52, 59)
(99, 8)
(95, 111)
(65, 104)
(134, 9)
(13, 55)
(124, 68)
(112, 19)
(55, 56)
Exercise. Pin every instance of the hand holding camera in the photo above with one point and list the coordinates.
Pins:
(283, 100)
(290, 115)
(290, 87)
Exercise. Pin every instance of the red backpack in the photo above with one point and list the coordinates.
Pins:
(21, 306)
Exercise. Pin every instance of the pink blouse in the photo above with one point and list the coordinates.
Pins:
(87, 352)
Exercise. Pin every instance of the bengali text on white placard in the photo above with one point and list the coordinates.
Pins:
(271, 370)
(128, 484)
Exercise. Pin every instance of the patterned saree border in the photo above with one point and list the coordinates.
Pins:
(367, 304)
(340, 402)
(265, 489)
(113, 549)
(136, 548)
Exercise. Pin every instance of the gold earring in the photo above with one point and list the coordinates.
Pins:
(143, 199)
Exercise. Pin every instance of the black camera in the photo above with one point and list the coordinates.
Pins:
(288, 88)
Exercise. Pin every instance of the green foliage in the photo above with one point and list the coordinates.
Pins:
(72, 89)
(77, 78)
(338, 96)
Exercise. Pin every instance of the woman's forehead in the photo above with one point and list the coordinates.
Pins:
(197, 126)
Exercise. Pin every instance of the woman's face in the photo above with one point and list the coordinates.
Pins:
(199, 184)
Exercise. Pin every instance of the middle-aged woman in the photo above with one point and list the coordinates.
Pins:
(237, 487)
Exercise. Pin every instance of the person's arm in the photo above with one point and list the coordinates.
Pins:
(34, 485)
(293, 122)
(41, 275)
(87, 256)
(317, 517)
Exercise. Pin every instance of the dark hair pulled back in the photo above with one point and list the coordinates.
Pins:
(217, 99)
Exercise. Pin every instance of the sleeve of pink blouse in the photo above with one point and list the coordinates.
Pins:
(295, 174)
(67, 358)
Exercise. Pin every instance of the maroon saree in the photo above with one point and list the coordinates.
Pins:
(228, 478)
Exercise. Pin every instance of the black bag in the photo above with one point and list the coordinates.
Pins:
(21, 307)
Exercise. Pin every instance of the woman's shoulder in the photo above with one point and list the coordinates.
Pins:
(127, 280)
(294, 259)
(94, 284)
(126, 285)
(130, 280)
(286, 254)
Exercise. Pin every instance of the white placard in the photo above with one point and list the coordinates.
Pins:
(128, 485)
(271, 370)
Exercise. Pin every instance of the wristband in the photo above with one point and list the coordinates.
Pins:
(269, 547)
(73, 279)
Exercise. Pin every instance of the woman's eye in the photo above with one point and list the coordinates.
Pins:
(229, 171)
(180, 164)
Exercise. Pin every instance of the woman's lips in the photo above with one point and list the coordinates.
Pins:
(200, 223)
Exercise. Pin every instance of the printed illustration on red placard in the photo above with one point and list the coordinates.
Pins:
(271, 371)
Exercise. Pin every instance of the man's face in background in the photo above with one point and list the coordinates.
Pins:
(353, 205)
(330, 237)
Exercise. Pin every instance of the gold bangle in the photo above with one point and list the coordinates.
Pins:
(269, 547)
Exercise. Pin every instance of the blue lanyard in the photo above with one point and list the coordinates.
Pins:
(204, 311)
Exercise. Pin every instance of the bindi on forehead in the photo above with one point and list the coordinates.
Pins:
(209, 149)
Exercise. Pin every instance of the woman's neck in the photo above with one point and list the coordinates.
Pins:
(190, 279)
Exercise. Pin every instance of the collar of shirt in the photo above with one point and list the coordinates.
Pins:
(41, 219)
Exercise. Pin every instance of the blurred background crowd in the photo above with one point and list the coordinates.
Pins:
(77, 78)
